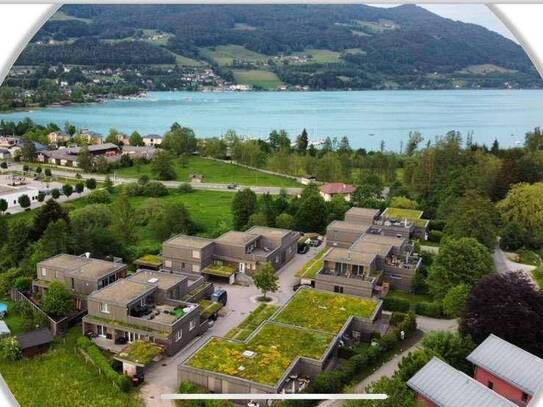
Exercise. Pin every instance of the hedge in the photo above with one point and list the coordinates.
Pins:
(396, 304)
(429, 309)
(435, 236)
(101, 363)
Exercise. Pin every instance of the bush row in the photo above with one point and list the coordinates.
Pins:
(396, 304)
(101, 362)
(429, 309)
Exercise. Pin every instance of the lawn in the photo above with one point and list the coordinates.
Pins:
(276, 346)
(259, 78)
(15, 322)
(324, 311)
(322, 56)
(60, 377)
(249, 324)
(213, 172)
(225, 54)
(313, 266)
(411, 297)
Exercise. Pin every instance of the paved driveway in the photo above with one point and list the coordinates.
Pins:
(162, 377)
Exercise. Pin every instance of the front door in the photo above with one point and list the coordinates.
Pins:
(102, 331)
(242, 267)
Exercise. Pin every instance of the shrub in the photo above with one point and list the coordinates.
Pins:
(48, 172)
(155, 189)
(437, 225)
(429, 309)
(90, 183)
(41, 197)
(329, 382)
(396, 304)
(55, 193)
(186, 387)
(185, 188)
(9, 349)
(99, 196)
(59, 301)
(23, 283)
(455, 300)
(435, 236)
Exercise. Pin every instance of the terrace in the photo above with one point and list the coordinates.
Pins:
(166, 314)
(405, 261)
(398, 216)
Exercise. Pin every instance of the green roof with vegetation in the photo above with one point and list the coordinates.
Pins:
(313, 266)
(219, 270)
(276, 346)
(149, 260)
(249, 324)
(141, 352)
(413, 215)
(208, 308)
(324, 311)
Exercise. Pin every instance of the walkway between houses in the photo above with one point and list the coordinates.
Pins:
(161, 378)
(424, 326)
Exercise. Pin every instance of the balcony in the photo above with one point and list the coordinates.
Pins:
(160, 317)
(403, 261)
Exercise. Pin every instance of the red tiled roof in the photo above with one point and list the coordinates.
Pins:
(337, 188)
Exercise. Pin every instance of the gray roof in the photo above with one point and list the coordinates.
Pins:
(447, 387)
(510, 363)
(35, 338)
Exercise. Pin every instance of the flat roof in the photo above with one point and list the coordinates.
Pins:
(270, 232)
(365, 212)
(122, 291)
(348, 256)
(162, 280)
(82, 267)
(187, 241)
(509, 362)
(348, 226)
(379, 249)
(445, 386)
(236, 238)
(383, 239)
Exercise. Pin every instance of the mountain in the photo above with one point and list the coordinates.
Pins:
(319, 46)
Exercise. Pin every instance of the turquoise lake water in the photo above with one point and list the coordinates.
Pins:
(366, 117)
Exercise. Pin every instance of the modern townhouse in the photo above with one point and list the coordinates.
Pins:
(69, 156)
(231, 253)
(145, 306)
(504, 375)
(81, 274)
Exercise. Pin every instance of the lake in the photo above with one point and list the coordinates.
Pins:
(366, 117)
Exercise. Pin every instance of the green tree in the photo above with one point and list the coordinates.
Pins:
(84, 159)
(79, 187)
(67, 189)
(58, 301)
(474, 216)
(124, 219)
(55, 193)
(285, 221)
(24, 201)
(135, 139)
(459, 261)
(162, 166)
(113, 137)
(311, 215)
(55, 240)
(108, 184)
(302, 141)
(90, 183)
(173, 218)
(266, 280)
(99, 196)
(28, 150)
(48, 172)
(451, 347)
(3, 205)
(48, 213)
(415, 138)
(454, 301)
(403, 202)
(180, 140)
(336, 208)
(244, 205)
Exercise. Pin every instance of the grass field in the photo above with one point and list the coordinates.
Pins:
(259, 78)
(214, 172)
(60, 377)
(225, 54)
(322, 56)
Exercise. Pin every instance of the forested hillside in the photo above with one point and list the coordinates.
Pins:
(318, 46)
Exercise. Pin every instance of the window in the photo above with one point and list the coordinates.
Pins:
(178, 335)
(73, 284)
(192, 324)
(182, 266)
(168, 263)
(338, 289)
(104, 308)
(490, 385)
(524, 397)
(195, 254)
(195, 268)
(43, 271)
(358, 269)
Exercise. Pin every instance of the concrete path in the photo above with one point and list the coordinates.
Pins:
(504, 265)
(161, 378)
(170, 184)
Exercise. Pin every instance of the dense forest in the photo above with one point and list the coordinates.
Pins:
(399, 47)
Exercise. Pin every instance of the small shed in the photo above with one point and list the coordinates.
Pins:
(4, 330)
(35, 342)
(196, 178)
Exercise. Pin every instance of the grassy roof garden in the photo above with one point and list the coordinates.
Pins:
(141, 352)
(150, 260)
(219, 270)
(324, 311)
(208, 308)
(313, 266)
(276, 347)
(413, 215)
(249, 324)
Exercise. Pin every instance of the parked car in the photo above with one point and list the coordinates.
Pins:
(232, 186)
(220, 295)
(296, 286)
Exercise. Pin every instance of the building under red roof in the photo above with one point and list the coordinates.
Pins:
(336, 188)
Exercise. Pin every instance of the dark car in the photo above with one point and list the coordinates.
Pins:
(220, 295)
(296, 286)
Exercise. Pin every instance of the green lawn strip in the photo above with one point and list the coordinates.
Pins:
(529, 257)
(411, 297)
(208, 308)
(313, 266)
(213, 172)
(226, 54)
(249, 324)
(324, 311)
(61, 377)
(256, 77)
(276, 347)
